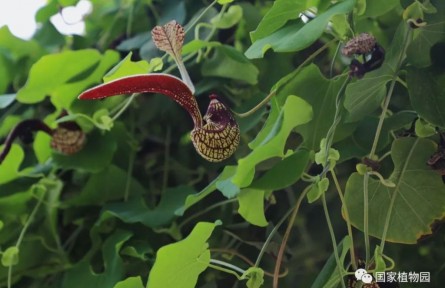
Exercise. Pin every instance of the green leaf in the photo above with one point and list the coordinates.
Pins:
(179, 264)
(375, 8)
(281, 12)
(126, 67)
(251, 206)
(254, 276)
(380, 265)
(321, 94)
(284, 173)
(9, 169)
(130, 282)
(195, 198)
(233, 15)
(136, 211)
(94, 156)
(365, 95)
(360, 142)
(424, 129)
(10, 256)
(427, 94)
(419, 197)
(18, 48)
(222, 2)
(8, 124)
(6, 100)
(227, 62)
(81, 274)
(196, 44)
(295, 112)
(99, 189)
(70, 72)
(297, 36)
(317, 189)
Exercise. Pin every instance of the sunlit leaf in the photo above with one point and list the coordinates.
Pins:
(130, 282)
(187, 259)
(70, 72)
(251, 206)
(295, 112)
(9, 169)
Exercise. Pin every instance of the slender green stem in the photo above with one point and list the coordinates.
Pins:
(373, 150)
(130, 20)
(347, 218)
(228, 265)
(189, 26)
(204, 211)
(334, 242)
(365, 218)
(331, 69)
(274, 91)
(127, 104)
(258, 106)
(219, 268)
(337, 118)
(22, 234)
(270, 236)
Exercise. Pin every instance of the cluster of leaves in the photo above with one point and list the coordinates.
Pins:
(137, 207)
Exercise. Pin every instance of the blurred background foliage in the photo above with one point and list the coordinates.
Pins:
(107, 210)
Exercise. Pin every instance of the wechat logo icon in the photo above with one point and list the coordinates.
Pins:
(362, 274)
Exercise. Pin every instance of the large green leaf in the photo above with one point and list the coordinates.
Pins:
(136, 211)
(179, 264)
(227, 62)
(297, 36)
(376, 8)
(320, 93)
(70, 72)
(284, 173)
(82, 275)
(99, 189)
(281, 12)
(95, 156)
(418, 195)
(295, 112)
(427, 94)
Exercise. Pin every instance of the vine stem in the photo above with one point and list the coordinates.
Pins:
(22, 235)
(228, 265)
(274, 90)
(286, 237)
(334, 242)
(374, 148)
(211, 207)
(347, 218)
